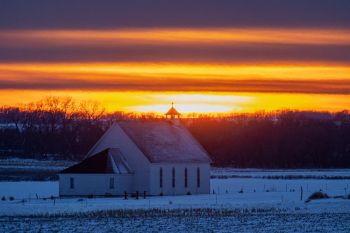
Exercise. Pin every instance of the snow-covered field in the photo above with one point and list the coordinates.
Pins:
(243, 222)
(235, 205)
(223, 173)
(17, 169)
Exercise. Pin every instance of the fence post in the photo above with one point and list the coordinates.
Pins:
(301, 193)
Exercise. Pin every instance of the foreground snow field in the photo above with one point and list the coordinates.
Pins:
(229, 193)
(245, 222)
(235, 205)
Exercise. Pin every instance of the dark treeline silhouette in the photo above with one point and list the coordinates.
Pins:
(286, 139)
(62, 128)
(55, 128)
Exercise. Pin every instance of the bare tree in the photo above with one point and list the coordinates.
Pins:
(12, 115)
(91, 110)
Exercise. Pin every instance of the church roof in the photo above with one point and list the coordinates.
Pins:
(165, 141)
(109, 161)
(172, 111)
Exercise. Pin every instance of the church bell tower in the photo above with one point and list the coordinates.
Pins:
(172, 113)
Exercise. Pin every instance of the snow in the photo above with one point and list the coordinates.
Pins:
(256, 204)
(21, 163)
(245, 222)
(28, 189)
(30, 169)
(227, 193)
(281, 173)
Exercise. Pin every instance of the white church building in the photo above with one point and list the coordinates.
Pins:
(159, 157)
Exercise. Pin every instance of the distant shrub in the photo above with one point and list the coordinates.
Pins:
(90, 196)
(52, 197)
(11, 198)
(189, 193)
(317, 195)
(348, 196)
(161, 194)
(3, 198)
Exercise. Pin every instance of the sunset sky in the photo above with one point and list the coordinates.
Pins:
(206, 56)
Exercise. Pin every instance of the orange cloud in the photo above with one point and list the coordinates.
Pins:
(158, 36)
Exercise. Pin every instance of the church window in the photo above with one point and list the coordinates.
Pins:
(173, 180)
(111, 183)
(161, 177)
(71, 183)
(198, 177)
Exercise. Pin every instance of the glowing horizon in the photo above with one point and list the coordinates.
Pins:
(152, 102)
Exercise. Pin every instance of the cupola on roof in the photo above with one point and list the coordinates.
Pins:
(172, 112)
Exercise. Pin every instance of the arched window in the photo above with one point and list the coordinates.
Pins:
(173, 172)
(198, 177)
(186, 178)
(161, 177)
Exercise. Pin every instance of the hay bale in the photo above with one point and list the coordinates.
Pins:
(317, 196)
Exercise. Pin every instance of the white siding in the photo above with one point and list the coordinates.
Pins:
(180, 188)
(94, 184)
(115, 137)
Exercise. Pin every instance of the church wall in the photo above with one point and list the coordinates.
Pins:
(180, 188)
(94, 184)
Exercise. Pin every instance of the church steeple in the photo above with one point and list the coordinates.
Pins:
(172, 112)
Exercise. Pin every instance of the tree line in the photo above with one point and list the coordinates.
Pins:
(52, 127)
(63, 128)
(287, 139)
